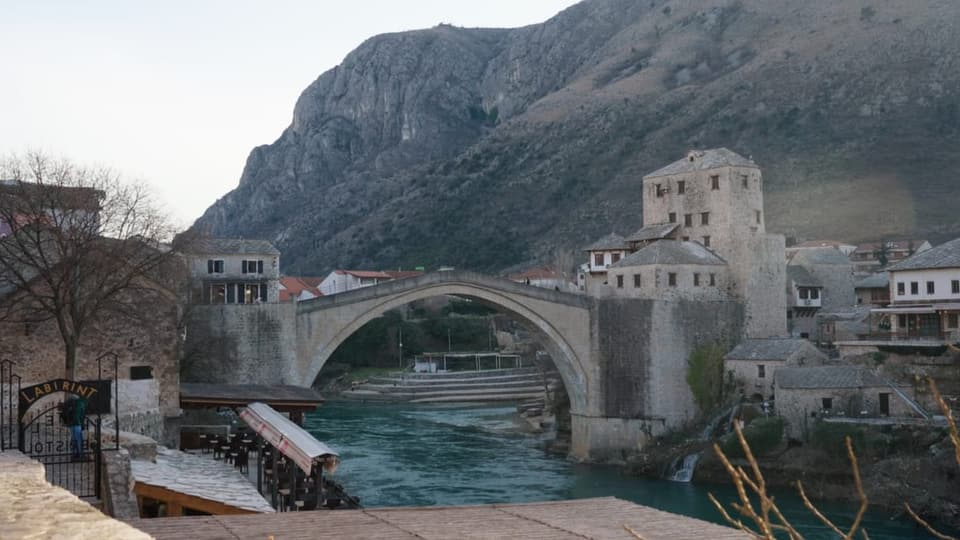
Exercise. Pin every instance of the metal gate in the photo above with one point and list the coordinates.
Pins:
(46, 439)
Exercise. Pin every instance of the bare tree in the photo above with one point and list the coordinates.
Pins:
(77, 243)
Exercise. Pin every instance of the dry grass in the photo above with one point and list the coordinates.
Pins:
(766, 520)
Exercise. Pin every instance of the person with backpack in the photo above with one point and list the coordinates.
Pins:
(72, 414)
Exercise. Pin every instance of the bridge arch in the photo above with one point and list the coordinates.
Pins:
(561, 321)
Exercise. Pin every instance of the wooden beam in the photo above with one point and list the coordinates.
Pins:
(176, 501)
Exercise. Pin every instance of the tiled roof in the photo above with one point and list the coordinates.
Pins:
(231, 246)
(827, 377)
(767, 349)
(874, 281)
(898, 245)
(653, 232)
(610, 241)
(377, 274)
(820, 243)
(291, 287)
(701, 160)
(800, 277)
(199, 477)
(826, 255)
(943, 256)
(671, 252)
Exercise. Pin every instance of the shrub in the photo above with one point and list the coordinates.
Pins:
(763, 435)
(705, 376)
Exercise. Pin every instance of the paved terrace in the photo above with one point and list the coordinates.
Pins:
(601, 518)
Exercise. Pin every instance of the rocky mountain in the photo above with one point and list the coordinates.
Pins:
(485, 148)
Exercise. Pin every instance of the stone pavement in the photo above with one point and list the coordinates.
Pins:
(32, 508)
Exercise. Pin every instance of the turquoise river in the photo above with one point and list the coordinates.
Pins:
(403, 455)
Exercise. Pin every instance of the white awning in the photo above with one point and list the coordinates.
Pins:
(905, 309)
(290, 439)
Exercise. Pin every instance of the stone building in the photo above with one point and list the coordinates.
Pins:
(713, 198)
(671, 270)
(805, 394)
(146, 339)
(233, 271)
(754, 363)
(873, 290)
(819, 280)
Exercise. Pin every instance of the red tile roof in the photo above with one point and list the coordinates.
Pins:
(291, 287)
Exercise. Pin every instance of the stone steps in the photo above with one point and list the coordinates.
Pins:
(472, 386)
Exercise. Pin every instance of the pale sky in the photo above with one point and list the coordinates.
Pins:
(177, 93)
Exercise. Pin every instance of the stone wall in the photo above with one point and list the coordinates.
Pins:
(148, 336)
(240, 344)
(643, 355)
(655, 284)
(796, 405)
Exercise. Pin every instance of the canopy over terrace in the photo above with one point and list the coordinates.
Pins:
(294, 400)
(290, 439)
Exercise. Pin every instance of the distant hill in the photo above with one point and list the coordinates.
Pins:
(484, 148)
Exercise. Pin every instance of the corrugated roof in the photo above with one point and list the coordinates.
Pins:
(610, 241)
(287, 437)
(820, 256)
(701, 160)
(598, 519)
(671, 252)
(827, 377)
(653, 232)
(943, 256)
(880, 280)
(231, 246)
(199, 477)
(768, 349)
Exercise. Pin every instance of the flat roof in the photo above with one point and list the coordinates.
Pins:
(280, 397)
(599, 518)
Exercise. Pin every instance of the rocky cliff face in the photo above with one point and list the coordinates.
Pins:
(486, 148)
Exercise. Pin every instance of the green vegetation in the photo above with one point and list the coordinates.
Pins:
(867, 443)
(705, 376)
(763, 435)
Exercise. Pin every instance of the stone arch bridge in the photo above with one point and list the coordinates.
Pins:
(623, 361)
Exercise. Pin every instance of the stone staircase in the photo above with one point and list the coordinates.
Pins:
(453, 387)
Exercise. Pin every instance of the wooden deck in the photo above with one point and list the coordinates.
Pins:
(600, 518)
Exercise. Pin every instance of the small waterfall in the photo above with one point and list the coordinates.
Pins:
(681, 470)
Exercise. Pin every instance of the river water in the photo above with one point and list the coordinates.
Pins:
(404, 455)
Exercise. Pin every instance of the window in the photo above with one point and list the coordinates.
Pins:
(673, 217)
(681, 187)
(705, 218)
(713, 280)
(955, 286)
(901, 321)
(696, 279)
(141, 372)
(805, 335)
(636, 281)
(686, 238)
(659, 190)
(914, 287)
(263, 292)
(706, 241)
(814, 294)
(901, 289)
(214, 266)
(745, 180)
(952, 320)
(615, 257)
(231, 293)
(672, 279)
(688, 220)
(251, 267)
(804, 293)
(930, 287)
(598, 259)
(620, 281)
(827, 403)
(715, 182)
(761, 371)
(759, 215)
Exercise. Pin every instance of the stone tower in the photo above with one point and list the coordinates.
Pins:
(716, 198)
